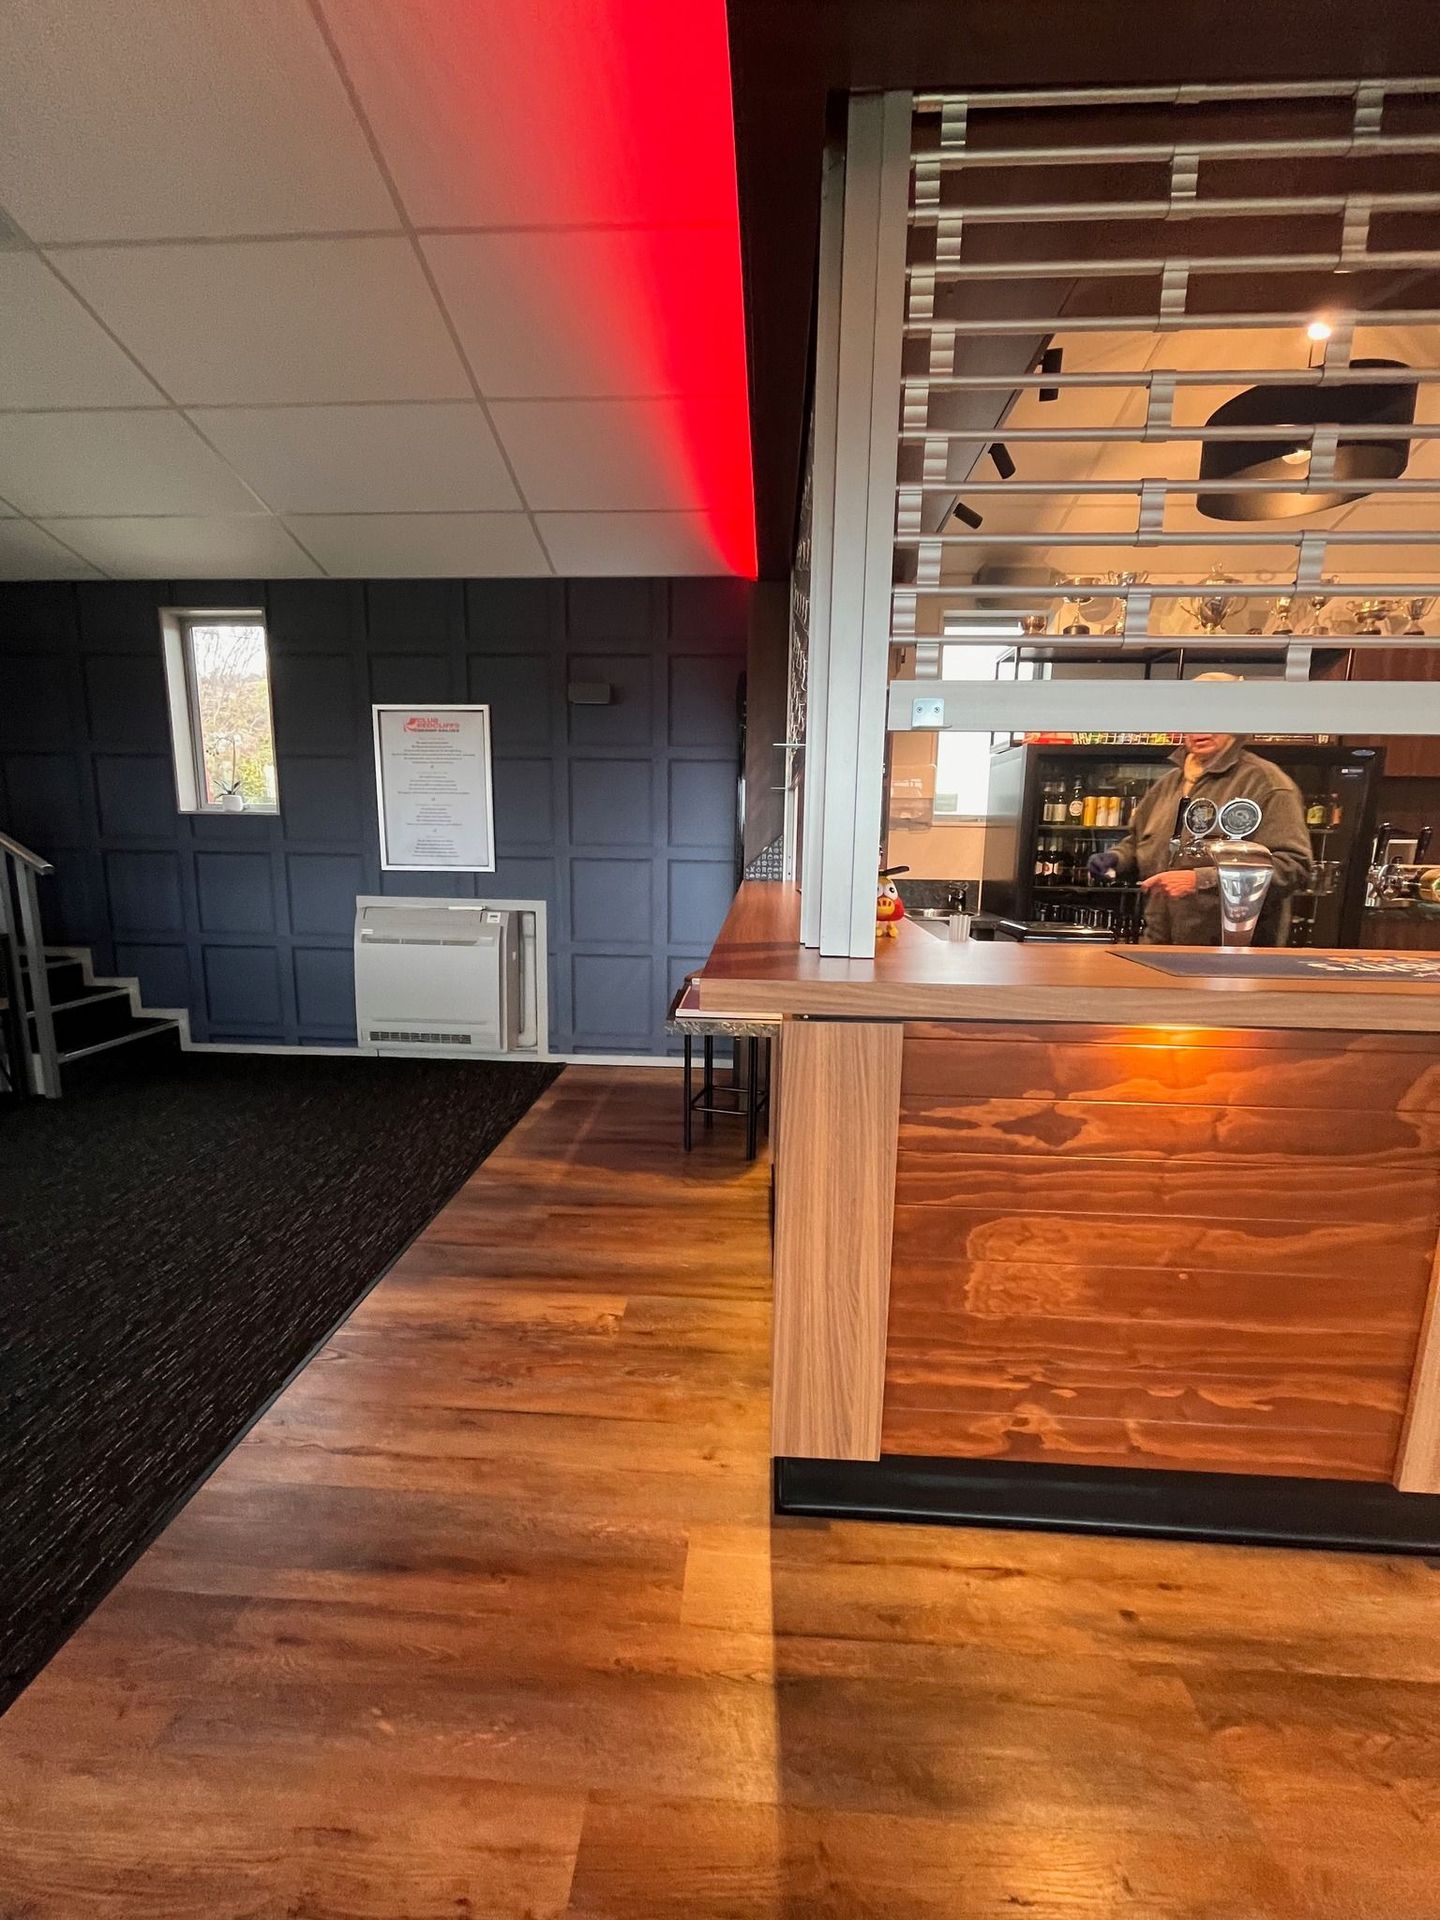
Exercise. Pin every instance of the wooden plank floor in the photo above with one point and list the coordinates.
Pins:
(488, 1617)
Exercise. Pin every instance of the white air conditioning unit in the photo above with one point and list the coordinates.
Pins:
(437, 979)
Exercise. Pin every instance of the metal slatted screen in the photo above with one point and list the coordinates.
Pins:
(1172, 368)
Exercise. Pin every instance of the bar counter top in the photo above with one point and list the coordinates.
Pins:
(758, 966)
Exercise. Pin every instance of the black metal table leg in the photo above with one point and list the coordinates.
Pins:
(752, 1097)
(708, 1083)
(689, 1110)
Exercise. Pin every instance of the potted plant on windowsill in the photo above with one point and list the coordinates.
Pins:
(227, 786)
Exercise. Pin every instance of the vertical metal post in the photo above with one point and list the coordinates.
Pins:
(847, 808)
(12, 984)
(47, 1060)
(822, 538)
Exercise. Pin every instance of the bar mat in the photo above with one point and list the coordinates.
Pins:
(1239, 963)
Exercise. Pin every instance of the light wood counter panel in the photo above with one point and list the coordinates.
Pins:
(1417, 1466)
(839, 1110)
(758, 965)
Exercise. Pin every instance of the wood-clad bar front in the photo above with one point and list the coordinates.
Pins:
(1201, 1240)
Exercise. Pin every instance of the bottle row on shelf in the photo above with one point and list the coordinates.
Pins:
(1124, 920)
(1063, 861)
(1112, 803)
(1109, 803)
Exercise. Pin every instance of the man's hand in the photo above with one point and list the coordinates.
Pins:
(1178, 884)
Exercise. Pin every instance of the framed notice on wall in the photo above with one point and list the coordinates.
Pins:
(433, 789)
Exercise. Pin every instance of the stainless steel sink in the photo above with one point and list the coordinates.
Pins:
(934, 920)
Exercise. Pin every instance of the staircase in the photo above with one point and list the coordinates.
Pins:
(54, 1011)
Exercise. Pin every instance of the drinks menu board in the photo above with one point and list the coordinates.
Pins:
(432, 784)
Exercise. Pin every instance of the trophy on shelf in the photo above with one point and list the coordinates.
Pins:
(1417, 608)
(1243, 869)
(1372, 617)
(1080, 606)
(1315, 605)
(1211, 606)
(1096, 602)
(1282, 613)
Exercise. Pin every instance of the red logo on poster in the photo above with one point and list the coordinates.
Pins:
(427, 723)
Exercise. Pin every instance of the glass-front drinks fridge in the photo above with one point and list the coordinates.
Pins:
(1052, 804)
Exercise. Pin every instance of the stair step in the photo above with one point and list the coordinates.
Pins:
(136, 1030)
(65, 978)
(96, 1014)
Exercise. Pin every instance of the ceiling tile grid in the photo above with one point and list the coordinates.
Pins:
(369, 287)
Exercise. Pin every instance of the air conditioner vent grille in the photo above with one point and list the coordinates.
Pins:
(424, 1039)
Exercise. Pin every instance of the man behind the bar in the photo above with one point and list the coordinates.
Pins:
(1178, 880)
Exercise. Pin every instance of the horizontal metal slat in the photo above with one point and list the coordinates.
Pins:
(1163, 152)
(1301, 484)
(1094, 436)
(1158, 322)
(1186, 589)
(1189, 93)
(1284, 534)
(1270, 644)
(1179, 377)
(947, 271)
(1258, 207)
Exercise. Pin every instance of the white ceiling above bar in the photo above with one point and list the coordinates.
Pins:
(224, 300)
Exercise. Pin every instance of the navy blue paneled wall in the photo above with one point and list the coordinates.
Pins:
(620, 816)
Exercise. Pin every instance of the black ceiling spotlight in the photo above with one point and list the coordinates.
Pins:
(1359, 459)
(1052, 360)
(957, 510)
(1000, 454)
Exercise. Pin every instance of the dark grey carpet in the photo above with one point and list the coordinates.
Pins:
(175, 1238)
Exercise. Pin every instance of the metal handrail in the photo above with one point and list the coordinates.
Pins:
(17, 852)
(37, 1067)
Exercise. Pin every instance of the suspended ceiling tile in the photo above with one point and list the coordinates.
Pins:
(52, 353)
(254, 547)
(113, 463)
(28, 553)
(405, 546)
(581, 544)
(277, 320)
(573, 112)
(595, 313)
(364, 459)
(582, 454)
(154, 119)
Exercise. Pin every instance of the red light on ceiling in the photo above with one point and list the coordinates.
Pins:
(637, 94)
(592, 144)
(697, 292)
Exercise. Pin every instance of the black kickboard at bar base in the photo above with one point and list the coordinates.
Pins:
(1248, 1509)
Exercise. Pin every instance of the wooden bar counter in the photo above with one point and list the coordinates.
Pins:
(1051, 1209)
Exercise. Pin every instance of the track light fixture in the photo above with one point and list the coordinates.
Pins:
(1000, 454)
(1052, 360)
(957, 510)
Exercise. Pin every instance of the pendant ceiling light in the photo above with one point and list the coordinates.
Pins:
(1359, 460)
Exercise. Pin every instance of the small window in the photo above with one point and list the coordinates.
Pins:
(217, 670)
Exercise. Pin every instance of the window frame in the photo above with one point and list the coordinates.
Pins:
(187, 743)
